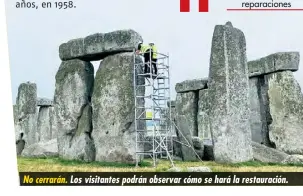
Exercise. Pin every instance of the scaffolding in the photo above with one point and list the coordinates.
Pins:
(152, 95)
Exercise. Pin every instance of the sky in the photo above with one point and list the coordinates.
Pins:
(34, 35)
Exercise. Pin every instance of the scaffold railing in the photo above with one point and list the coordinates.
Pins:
(152, 113)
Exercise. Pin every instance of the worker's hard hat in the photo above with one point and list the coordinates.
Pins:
(151, 44)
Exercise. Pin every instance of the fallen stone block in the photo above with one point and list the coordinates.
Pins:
(100, 45)
(267, 155)
(199, 169)
(280, 61)
(293, 159)
(174, 169)
(191, 85)
(41, 149)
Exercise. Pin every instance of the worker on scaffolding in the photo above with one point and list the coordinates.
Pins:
(150, 53)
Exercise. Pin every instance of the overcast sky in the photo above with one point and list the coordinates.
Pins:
(34, 35)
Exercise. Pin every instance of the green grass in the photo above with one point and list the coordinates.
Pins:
(59, 165)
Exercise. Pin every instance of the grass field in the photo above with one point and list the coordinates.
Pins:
(59, 165)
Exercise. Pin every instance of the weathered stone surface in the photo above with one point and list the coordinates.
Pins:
(208, 150)
(43, 124)
(20, 144)
(15, 112)
(187, 104)
(177, 150)
(113, 109)
(199, 169)
(26, 99)
(185, 138)
(280, 61)
(286, 109)
(100, 45)
(267, 155)
(28, 126)
(74, 85)
(198, 143)
(228, 96)
(174, 169)
(172, 104)
(191, 85)
(293, 159)
(53, 123)
(203, 115)
(44, 102)
(259, 108)
(42, 149)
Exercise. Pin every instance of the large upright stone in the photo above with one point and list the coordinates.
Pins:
(27, 112)
(203, 115)
(187, 105)
(43, 124)
(26, 99)
(286, 109)
(114, 109)
(100, 45)
(260, 116)
(185, 139)
(280, 61)
(228, 96)
(191, 85)
(74, 85)
(53, 123)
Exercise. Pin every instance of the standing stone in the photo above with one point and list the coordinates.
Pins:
(172, 105)
(228, 96)
(16, 125)
(27, 112)
(15, 112)
(53, 123)
(203, 116)
(286, 109)
(114, 110)
(26, 99)
(260, 116)
(185, 138)
(74, 85)
(187, 104)
(43, 124)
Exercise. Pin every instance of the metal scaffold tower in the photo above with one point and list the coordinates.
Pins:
(152, 109)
